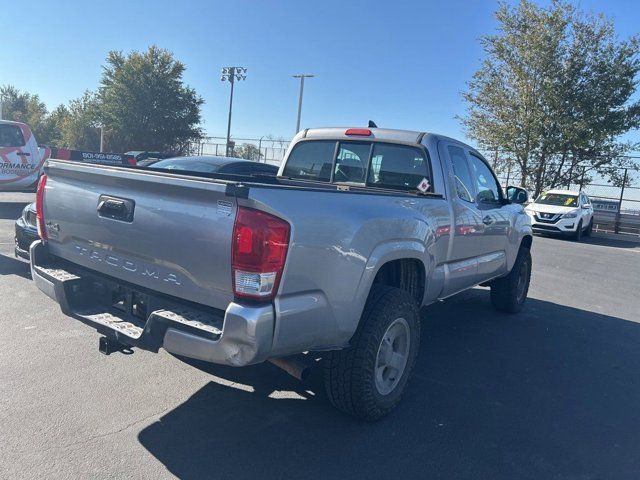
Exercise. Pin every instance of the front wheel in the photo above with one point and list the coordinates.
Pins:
(367, 379)
(577, 236)
(509, 293)
(587, 232)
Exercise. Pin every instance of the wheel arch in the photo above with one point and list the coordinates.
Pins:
(526, 242)
(396, 264)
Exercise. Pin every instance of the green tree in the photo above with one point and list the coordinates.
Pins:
(248, 151)
(144, 104)
(79, 124)
(55, 121)
(554, 91)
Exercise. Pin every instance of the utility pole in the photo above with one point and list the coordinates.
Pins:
(101, 138)
(231, 74)
(301, 76)
(616, 227)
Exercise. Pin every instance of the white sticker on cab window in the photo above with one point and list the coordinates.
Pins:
(424, 185)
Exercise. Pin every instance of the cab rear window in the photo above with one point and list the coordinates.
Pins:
(375, 164)
(11, 136)
(311, 161)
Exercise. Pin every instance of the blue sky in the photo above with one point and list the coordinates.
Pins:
(402, 64)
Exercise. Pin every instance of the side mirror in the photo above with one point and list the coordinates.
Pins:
(517, 195)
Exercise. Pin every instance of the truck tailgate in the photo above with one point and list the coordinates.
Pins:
(167, 233)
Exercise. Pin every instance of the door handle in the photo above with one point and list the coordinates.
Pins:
(488, 220)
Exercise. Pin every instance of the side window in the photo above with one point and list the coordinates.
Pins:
(351, 164)
(311, 161)
(486, 185)
(464, 184)
(397, 167)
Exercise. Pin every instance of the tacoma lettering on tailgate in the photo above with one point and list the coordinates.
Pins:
(117, 261)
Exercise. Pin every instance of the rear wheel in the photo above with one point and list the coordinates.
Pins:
(509, 293)
(367, 380)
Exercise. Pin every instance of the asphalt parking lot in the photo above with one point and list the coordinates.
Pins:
(551, 393)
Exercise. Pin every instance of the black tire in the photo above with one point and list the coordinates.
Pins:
(577, 236)
(350, 374)
(508, 294)
(587, 232)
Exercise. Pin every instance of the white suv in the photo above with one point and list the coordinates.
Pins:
(561, 212)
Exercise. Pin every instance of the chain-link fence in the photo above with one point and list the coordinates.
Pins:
(266, 149)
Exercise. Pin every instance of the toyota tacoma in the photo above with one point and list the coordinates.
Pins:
(336, 254)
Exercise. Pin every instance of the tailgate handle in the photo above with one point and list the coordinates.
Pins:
(116, 208)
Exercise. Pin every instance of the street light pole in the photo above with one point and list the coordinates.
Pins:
(231, 74)
(301, 76)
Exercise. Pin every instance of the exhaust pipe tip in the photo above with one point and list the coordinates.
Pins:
(293, 366)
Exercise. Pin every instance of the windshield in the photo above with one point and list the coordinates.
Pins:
(11, 136)
(559, 199)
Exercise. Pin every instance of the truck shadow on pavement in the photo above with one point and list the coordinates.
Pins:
(11, 210)
(13, 266)
(550, 393)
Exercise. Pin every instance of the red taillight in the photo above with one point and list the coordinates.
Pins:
(42, 231)
(131, 160)
(260, 244)
(360, 132)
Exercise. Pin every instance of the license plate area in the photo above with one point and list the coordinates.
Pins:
(90, 295)
(130, 302)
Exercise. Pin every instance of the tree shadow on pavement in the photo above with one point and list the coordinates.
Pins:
(13, 266)
(11, 210)
(611, 241)
(601, 240)
(551, 393)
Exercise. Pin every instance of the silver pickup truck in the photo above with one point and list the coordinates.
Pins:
(336, 254)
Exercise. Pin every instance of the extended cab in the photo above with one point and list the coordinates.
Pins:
(360, 228)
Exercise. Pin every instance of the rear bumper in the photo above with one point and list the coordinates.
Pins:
(240, 335)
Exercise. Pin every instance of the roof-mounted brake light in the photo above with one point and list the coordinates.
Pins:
(358, 132)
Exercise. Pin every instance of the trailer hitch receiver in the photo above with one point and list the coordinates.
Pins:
(108, 346)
